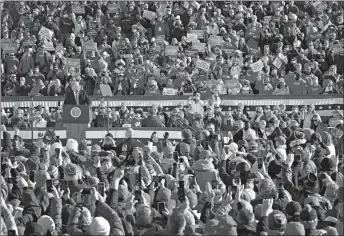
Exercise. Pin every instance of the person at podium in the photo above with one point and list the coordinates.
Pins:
(75, 96)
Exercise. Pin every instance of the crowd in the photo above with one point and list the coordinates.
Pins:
(273, 173)
(150, 48)
(280, 180)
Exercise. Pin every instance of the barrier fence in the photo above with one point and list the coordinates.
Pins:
(324, 104)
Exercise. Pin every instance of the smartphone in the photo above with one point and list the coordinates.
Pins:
(11, 232)
(192, 181)
(32, 176)
(101, 188)
(57, 138)
(138, 179)
(181, 193)
(49, 184)
(138, 195)
(161, 207)
(234, 191)
(214, 184)
(260, 162)
(206, 145)
(86, 196)
(63, 185)
(181, 160)
(175, 156)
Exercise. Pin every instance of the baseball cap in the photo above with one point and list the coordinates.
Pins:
(277, 221)
(293, 208)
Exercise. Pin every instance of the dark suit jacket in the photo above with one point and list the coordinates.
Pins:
(70, 98)
(152, 121)
(131, 143)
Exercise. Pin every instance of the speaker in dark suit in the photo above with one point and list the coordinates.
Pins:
(75, 96)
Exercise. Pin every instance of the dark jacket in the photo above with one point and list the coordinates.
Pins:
(70, 98)
(152, 121)
(131, 143)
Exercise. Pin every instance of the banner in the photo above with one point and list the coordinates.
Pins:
(78, 9)
(90, 46)
(192, 37)
(257, 66)
(171, 50)
(46, 33)
(228, 49)
(149, 15)
(203, 65)
(71, 62)
(169, 91)
(199, 46)
(324, 104)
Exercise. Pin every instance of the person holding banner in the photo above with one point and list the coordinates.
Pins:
(75, 96)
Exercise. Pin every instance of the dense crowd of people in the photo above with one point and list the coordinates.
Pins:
(150, 48)
(270, 172)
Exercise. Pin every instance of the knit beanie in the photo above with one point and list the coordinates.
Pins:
(309, 215)
(46, 223)
(32, 228)
(99, 226)
(72, 145)
(245, 217)
(293, 208)
(295, 228)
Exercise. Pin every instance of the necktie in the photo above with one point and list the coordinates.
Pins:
(77, 97)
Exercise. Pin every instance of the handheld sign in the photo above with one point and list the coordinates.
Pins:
(35, 90)
(199, 46)
(170, 91)
(149, 15)
(90, 46)
(78, 9)
(141, 28)
(257, 66)
(9, 47)
(71, 62)
(46, 33)
(49, 46)
(171, 50)
(215, 40)
(105, 90)
(192, 37)
(203, 65)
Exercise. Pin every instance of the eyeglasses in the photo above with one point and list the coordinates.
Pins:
(102, 108)
(315, 120)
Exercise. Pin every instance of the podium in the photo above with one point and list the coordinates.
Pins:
(76, 119)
